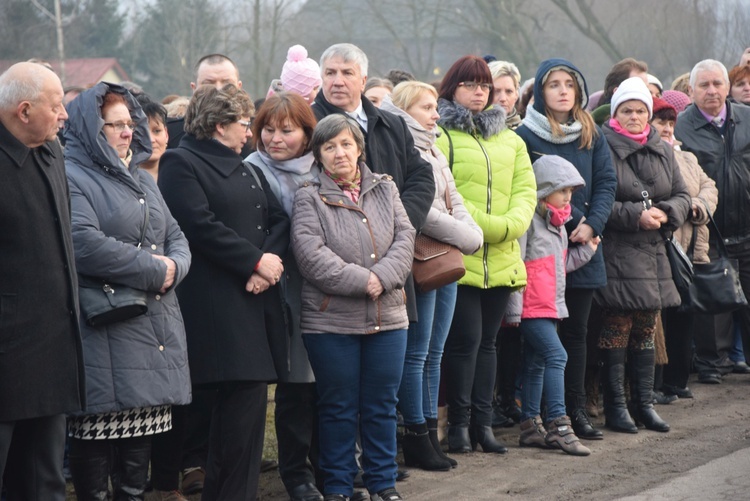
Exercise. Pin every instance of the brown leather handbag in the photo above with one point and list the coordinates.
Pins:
(436, 263)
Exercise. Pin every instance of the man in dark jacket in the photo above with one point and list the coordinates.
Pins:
(389, 146)
(718, 133)
(41, 370)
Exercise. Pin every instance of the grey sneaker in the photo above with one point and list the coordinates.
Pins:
(533, 433)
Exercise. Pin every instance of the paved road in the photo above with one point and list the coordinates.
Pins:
(724, 478)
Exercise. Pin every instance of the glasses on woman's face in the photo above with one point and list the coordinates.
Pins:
(472, 86)
(246, 123)
(120, 127)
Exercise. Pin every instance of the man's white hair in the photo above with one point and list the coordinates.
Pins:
(708, 65)
(19, 84)
(349, 53)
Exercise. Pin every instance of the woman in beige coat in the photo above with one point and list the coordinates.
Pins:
(678, 331)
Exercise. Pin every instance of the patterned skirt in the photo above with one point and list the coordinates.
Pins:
(129, 423)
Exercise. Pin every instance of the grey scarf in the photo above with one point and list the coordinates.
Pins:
(539, 125)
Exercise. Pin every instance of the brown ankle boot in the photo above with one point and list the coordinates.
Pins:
(560, 435)
(533, 433)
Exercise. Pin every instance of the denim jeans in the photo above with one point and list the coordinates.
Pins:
(544, 368)
(418, 395)
(358, 378)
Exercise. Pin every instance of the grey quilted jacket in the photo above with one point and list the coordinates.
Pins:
(337, 243)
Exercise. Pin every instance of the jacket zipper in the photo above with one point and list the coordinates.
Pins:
(486, 250)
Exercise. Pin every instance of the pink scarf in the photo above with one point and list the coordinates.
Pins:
(638, 138)
(558, 216)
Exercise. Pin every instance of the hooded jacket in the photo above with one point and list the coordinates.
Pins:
(638, 273)
(594, 200)
(544, 248)
(459, 228)
(139, 362)
(493, 175)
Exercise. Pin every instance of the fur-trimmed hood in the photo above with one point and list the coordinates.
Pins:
(487, 122)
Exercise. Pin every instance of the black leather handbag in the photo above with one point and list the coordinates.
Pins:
(682, 269)
(103, 302)
(716, 286)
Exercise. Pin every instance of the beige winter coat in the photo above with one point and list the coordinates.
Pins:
(337, 243)
(703, 192)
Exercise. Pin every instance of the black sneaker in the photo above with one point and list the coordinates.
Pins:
(387, 495)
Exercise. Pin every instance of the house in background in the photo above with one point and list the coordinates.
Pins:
(84, 72)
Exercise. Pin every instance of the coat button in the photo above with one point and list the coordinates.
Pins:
(142, 201)
(157, 297)
(153, 246)
(377, 327)
(244, 174)
(259, 227)
(252, 186)
(161, 347)
(364, 219)
(341, 202)
(372, 256)
(257, 206)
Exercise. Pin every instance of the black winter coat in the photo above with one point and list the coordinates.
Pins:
(41, 364)
(638, 272)
(725, 159)
(229, 222)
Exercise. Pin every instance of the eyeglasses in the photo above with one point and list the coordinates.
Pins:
(246, 123)
(120, 127)
(472, 86)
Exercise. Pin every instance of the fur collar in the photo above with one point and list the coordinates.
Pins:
(487, 123)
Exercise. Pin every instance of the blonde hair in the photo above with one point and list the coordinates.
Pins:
(506, 69)
(588, 127)
(407, 93)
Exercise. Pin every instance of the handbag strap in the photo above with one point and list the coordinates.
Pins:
(450, 148)
(448, 204)
(145, 222)
(249, 167)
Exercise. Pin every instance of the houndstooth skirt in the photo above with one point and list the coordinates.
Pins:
(129, 423)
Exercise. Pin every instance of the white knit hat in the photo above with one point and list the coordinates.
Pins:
(300, 73)
(633, 88)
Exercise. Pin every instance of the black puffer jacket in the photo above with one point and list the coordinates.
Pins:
(638, 272)
(726, 160)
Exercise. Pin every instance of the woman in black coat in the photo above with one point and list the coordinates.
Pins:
(237, 230)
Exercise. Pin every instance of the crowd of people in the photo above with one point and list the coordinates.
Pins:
(166, 260)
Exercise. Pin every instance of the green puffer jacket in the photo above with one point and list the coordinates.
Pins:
(493, 174)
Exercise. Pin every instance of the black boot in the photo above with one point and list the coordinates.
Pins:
(418, 450)
(483, 435)
(89, 464)
(432, 433)
(616, 415)
(458, 438)
(582, 424)
(131, 468)
(641, 368)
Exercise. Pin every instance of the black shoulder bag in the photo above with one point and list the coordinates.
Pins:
(716, 285)
(104, 303)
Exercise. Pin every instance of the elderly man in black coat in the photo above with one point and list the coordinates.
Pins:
(389, 146)
(41, 370)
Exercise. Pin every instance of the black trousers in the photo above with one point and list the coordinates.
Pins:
(31, 458)
(235, 444)
(297, 433)
(470, 357)
(508, 363)
(678, 336)
(573, 335)
(713, 333)
(186, 444)
(124, 460)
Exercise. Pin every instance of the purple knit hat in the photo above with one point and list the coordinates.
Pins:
(678, 99)
(300, 73)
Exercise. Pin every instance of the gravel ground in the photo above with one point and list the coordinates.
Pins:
(712, 425)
